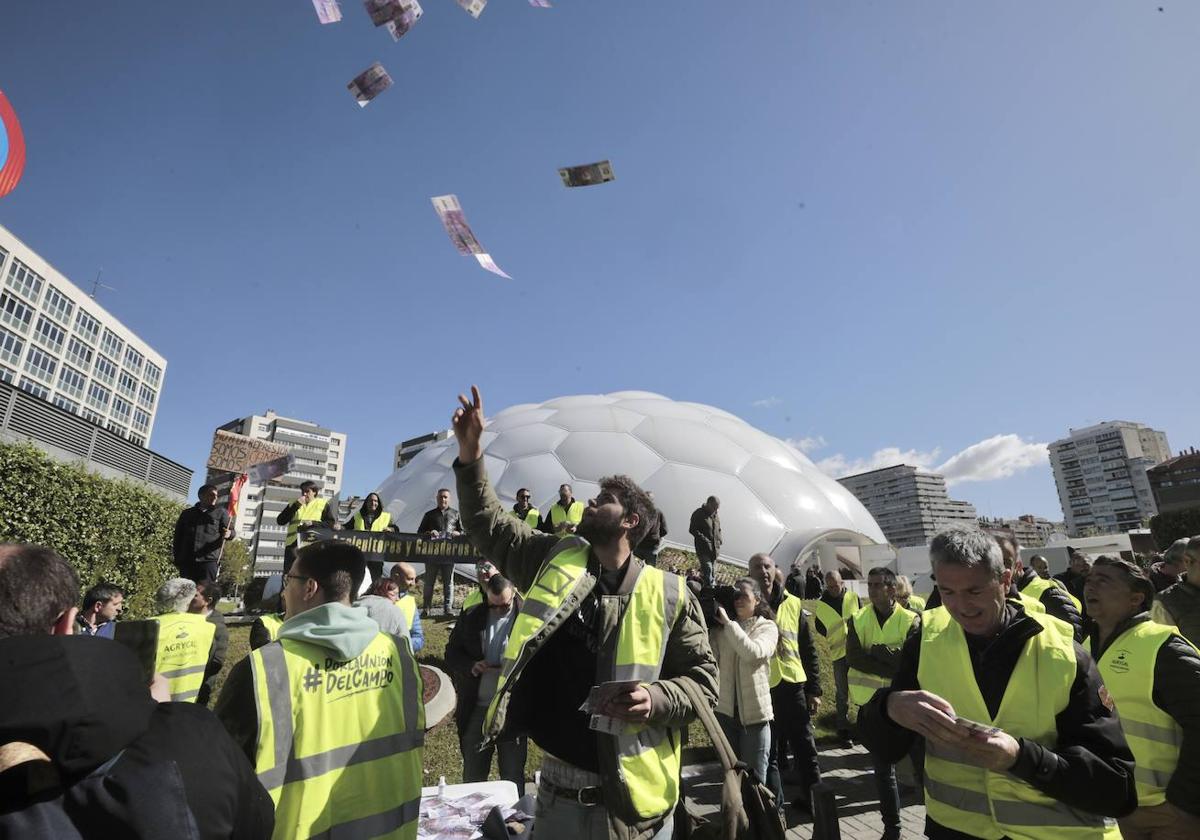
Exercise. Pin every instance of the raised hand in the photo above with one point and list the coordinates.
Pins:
(467, 422)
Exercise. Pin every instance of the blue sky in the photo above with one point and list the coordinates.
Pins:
(861, 225)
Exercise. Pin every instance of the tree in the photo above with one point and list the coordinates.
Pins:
(235, 568)
(1168, 527)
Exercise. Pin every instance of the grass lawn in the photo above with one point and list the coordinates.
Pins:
(442, 756)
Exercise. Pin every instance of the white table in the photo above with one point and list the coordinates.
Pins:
(499, 793)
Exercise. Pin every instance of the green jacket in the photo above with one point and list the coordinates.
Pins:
(518, 552)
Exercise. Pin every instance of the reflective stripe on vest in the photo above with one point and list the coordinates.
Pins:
(271, 623)
(835, 624)
(310, 512)
(785, 664)
(381, 522)
(532, 517)
(893, 633)
(339, 743)
(648, 756)
(989, 804)
(558, 516)
(1127, 667)
(181, 652)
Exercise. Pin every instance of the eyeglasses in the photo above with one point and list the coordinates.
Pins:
(286, 578)
(505, 607)
(523, 498)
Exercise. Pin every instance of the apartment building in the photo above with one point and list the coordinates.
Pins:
(909, 505)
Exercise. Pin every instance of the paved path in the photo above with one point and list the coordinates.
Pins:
(848, 772)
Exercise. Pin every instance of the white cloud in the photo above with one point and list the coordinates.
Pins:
(769, 402)
(839, 465)
(999, 456)
(806, 444)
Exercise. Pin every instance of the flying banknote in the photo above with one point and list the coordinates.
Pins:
(587, 174)
(328, 11)
(370, 83)
(463, 239)
(541, 4)
(474, 7)
(397, 15)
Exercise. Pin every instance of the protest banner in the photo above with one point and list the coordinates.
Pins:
(388, 547)
(237, 453)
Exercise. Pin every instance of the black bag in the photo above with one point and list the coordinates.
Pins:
(748, 809)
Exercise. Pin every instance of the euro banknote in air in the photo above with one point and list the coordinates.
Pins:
(328, 11)
(369, 83)
(451, 214)
(587, 174)
(397, 15)
(486, 262)
(473, 7)
(541, 4)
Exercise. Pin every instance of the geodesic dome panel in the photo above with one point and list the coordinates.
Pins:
(772, 497)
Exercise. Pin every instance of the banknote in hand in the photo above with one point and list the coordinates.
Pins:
(587, 174)
(369, 83)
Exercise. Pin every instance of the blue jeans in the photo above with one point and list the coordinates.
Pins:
(558, 818)
(751, 744)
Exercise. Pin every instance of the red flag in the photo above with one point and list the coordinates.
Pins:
(235, 496)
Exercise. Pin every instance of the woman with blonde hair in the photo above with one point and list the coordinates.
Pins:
(904, 594)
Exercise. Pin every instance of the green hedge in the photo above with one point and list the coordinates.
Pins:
(1168, 527)
(115, 531)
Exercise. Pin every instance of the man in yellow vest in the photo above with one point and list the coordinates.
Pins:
(873, 640)
(1152, 674)
(331, 713)
(1054, 600)
(310, 509)
(1018, 739)
(831, 611)
(484, 571)
(593, 615)
(564, 515)
(184, 646)
(795, 686)
(405, 576)
(524, 509)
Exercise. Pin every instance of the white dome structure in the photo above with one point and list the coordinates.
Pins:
(773, 498)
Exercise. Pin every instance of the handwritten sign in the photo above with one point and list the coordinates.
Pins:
(238, 453)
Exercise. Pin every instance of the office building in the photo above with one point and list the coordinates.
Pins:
(1028, 530)
(407, 450)
(59, 345)
(319, 454)
(1175, 482)
(909, 505)
(1100, 473)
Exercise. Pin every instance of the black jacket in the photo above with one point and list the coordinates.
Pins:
(1056, 602)
(463, 650)
(650, 545)
(804, 639)
(82, 701)
(199, 535)
(1177, 692)
(1089, 767)
(440, 521)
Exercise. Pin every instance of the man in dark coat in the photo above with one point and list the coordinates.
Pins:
(200, 535)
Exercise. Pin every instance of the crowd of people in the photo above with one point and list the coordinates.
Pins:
(1028, 705)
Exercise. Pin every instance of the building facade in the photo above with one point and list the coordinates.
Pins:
(1100, 473)
(407, 450)
(59, 345)
(1175, 482)
(910, 506)
(319, 454)
(1028, 530)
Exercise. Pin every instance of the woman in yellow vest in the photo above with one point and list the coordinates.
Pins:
(372, 517)
(1152, 675)
(744, 645)
(905, 596)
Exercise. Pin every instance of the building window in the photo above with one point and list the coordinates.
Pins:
(138, 439)
(98, 397)
(111, 344)
(127, 384)
(7, 375)
(106, 370)
(116, 428)
(58, 306)
(79, 353)
(32, 387)
(146, 397)
(87, 327)
(64, 403)
(134, 360)
(10, 347)
(92, 417)
(3, 256)
(23, 281)
(15, 313)
(153, 374)
(50, 334)
(71, 381)
(141, 420)
(121, 409)
(331, 467)
(41, 364)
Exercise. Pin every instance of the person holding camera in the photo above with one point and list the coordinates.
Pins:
(743, 647)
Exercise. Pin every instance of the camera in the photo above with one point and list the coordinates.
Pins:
(711, 596)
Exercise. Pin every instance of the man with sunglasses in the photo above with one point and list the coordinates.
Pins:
(593, 614)
(484, 571)
(524, 509)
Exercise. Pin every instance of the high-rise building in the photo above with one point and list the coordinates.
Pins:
(1175, 482)
(59, 345)
(319, 455)
(1100, 472)
(909, 505)
(1028, 530)
(407, 450)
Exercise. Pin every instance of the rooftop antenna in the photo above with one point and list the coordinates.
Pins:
(97, 285)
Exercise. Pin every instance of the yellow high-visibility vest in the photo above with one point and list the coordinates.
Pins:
(985, 803)
(915, 603)
(893, 633)
(560, 516)
(339, 744)
(835, 623)
(786, 665)
(408, 606)
(1037, 587)
(381, 522)
(271, 623)
(184, 644)
(648, 756)
(474, 598)
(1127, 667)
(310, 512)
(532, 517)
